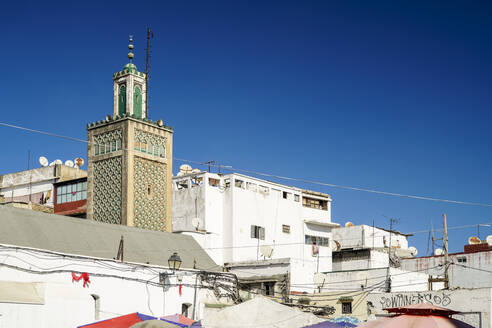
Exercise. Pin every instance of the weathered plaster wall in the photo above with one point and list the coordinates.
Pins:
(475, 303)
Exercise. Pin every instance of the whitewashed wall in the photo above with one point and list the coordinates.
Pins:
(465, 265)
(371, 280)
(122, 288)
(367, 236)
(227, 214)
(476, 304)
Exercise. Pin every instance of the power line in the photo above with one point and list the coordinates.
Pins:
(231, 168)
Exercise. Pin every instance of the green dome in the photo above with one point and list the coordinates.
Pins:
(130, 66)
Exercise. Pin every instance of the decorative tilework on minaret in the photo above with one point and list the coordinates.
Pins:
(130, 159)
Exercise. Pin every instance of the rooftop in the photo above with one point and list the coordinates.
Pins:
(27, 228)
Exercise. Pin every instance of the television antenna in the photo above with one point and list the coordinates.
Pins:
(150, 35)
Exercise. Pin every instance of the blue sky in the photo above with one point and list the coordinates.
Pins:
(387, 95)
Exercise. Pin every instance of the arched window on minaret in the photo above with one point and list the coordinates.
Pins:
(137, 102)
(122, 100)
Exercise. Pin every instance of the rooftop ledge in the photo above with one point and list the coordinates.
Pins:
(323, 224)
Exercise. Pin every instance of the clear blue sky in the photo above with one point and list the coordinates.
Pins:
(389, 95)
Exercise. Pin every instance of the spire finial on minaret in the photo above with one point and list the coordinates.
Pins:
(130, 47)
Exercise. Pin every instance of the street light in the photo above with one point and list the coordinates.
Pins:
(174, 261)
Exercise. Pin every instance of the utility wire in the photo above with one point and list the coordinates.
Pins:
(231, 168)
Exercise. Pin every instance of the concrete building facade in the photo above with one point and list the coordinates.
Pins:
(243, 222)
(36, 185)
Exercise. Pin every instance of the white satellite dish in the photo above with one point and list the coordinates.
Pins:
(349, 224)
(413, 250)
(43, 161)
(185, 168)
(180, 174)
(474, 240)
(79, 162)
(195, 222)
(489, 240)
(58, 161)
(69, 163)
(438, 251)
(52, 163)
(266, 251)
(196, 171)
(335, 245)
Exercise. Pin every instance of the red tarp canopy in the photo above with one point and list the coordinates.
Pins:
(124, 321)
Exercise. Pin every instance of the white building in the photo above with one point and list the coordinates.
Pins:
(39, 252)
(364, 260)
(469, 269)
(256, 228)
(36, 185)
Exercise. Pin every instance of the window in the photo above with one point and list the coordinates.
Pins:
(96, 149)
(196, 181)
(143, 147)
(346, 307)
(113, 145)
(162, 151)
(315, 203)
(239, 183)
(183, 184)
(263, 190)
(251, 186)
(285, 228)
(461, 259)
(286, 195)
(269, 288)
(118, 144)
(296, 198)
(227, 182)
(185, 307)
(316, 240)
(214, 182)
(71, 192)
(257, 232)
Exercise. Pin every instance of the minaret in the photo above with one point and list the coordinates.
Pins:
(130, 159)
(129, 89)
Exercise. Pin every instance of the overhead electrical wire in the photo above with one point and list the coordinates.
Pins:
(302, 180)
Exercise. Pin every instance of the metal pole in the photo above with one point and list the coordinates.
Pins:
(446, 258)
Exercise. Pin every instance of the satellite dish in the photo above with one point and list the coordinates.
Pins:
(195, 222)
(58, 161)
(43, 161)
(185, 168)
(69, 163)
(180, 174)
(335, 245)
(266, 251)
(413, 250)
(79, 162)
(474, 240)
(489, 240)
(438, 251)
(196, 171)
(52, 163)
(349, 224)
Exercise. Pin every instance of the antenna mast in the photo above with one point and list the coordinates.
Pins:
(150, 35)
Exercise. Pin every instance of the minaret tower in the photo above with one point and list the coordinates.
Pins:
(129, 89)
(130, 159)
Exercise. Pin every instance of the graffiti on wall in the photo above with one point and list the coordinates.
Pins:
(404, 299)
